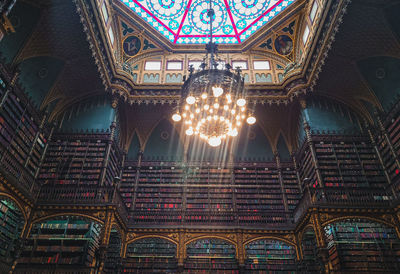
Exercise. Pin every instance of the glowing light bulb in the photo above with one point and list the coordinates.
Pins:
(217, 91)
(243, 109)
(226, 107)
(184, 115)
(190, 100)
(222, 118)
(203, 121)
(215, 117)
(206, 107)
(241, 102)
(176, 117)
(204, 96)
(216, 105)
(238, 123)
(191, 115)
(189, 131)
(211, 110)
(208, 118)
(233, 111)
(197, 110)
(233, 132)
(214, 141)
(228, 96)
(187, 107)
(251, 120)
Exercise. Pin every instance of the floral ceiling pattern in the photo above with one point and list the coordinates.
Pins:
(187, 22)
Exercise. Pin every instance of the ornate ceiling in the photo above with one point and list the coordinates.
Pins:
(323, 64)
(187, 22)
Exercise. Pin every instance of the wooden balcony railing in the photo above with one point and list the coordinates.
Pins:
(342, 197)
(82, 195)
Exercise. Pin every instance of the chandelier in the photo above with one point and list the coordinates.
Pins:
(213, 102)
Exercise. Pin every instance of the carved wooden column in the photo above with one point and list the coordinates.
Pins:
(382, 163)
(389, 141)
(241, 253)
(20, 244)
(105, 239)
(135, 187)
(181, 250)
(322, 250)
(313, 153)
(296, 167)
(278, 165)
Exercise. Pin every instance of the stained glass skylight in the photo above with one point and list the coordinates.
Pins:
(187, 22)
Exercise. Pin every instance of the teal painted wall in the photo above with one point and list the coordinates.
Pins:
(164, 144)
(94, 114)
(324, 116)
(134, 148)
(383, 76)
(283, 150)
(392, 16)
(253, 145)
(38, 75)
(24, 18)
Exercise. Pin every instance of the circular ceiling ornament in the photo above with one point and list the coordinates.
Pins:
(131, 45)
(199, 19)
(283, 45)
(164, 135)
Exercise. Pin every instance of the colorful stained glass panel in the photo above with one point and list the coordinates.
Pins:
(187, 21)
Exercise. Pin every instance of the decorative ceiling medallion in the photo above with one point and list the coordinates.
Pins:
(187, 22)
(283, 45)
(132, 45)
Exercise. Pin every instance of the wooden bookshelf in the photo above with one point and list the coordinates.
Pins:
(269, 255)
(79, 159)
(11, 224)
(150, 255)
(211, 256)
(362, 245)
(22, 140)
(65, 241)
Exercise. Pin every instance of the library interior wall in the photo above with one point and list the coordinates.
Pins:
(392, 16)
(164, 143)
(134, 148)
(38, 76)
(325, 116)
(24, 17)
(253, 145)
(382, 75)
(92, 114)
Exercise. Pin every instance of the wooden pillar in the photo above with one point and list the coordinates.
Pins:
(278, 165)
(378, 153)
(296, 167)
(105, 239)
(181, 250)
(389, 141)
(240, 250)
(322, 251)
(313, 153)
(21, 243)
(135, 187)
